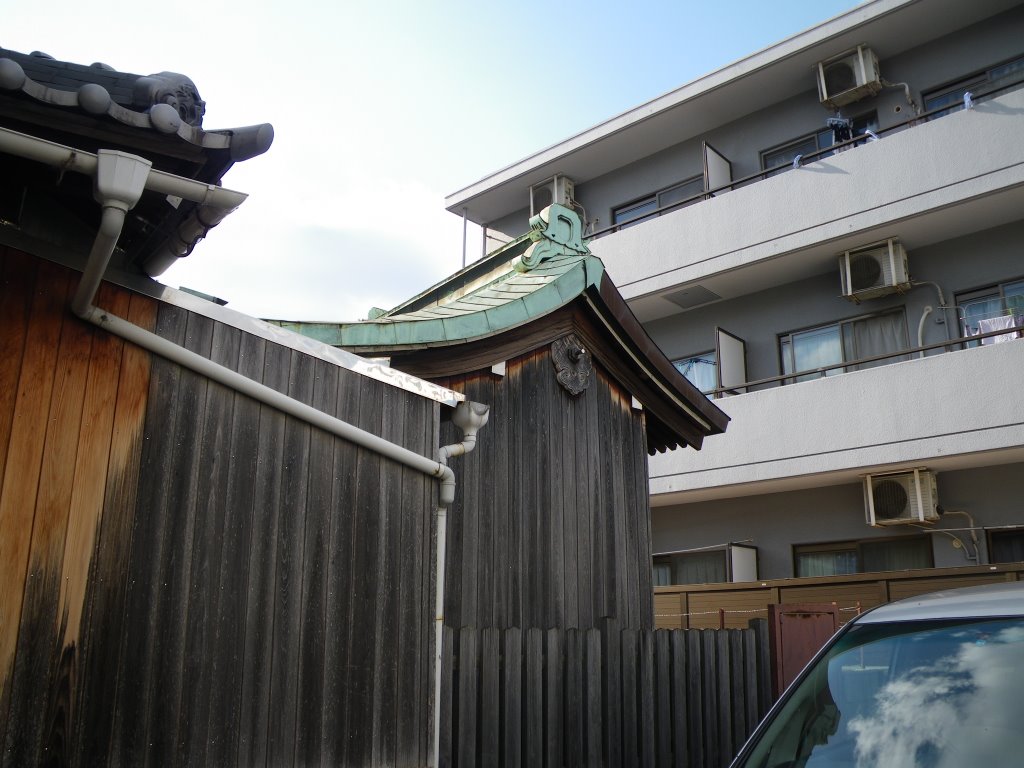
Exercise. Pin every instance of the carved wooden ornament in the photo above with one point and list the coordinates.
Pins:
(573, 365)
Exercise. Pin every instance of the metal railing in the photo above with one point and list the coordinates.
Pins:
(977, 97)
(792, 378)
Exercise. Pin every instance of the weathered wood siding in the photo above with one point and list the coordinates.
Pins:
(602, 696)
(188, 577)
(551, 524)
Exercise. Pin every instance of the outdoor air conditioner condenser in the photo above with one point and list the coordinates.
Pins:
(901, 498)
(558, 189)
(874, 270)
(849, 77)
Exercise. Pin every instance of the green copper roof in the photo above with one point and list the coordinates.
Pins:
(526, 279)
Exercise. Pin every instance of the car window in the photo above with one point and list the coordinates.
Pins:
(933, 694)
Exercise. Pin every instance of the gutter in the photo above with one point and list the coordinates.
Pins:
(119, 181)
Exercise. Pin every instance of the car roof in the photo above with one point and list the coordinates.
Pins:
(1002, 599)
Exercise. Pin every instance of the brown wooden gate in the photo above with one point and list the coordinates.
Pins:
(796, 632)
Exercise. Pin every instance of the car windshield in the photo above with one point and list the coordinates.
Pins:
(925, 694)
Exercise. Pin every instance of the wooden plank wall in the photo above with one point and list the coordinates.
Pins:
(72, 404)
(551, 524)
(602, 696)
(187, 577)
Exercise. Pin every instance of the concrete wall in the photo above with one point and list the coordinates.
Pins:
(963, 158)
(819, 515)
(759, 318)
(954, 407)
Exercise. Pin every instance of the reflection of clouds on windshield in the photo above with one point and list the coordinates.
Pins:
(960, 709)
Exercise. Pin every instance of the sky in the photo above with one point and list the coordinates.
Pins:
(381, 109)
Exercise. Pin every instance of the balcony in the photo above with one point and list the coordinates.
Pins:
(947, 411)
(924, 184)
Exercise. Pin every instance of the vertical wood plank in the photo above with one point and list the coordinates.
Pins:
(24, 459)
(362, 638)
(695, 690)
(680, 704)
(752, 688)
(584, 512)
(490, 696)
(164, 716)
(232, 573)
(594, 699)
(346, 472)
(468, 666)
(554, 688)
(92, 459)
(105, 601)
(316, 553)
(648, 738)
(570, 530)
(709, 687)
(663, 697)
(534, 698)
(574, 710)
(150, 534)
(512, 704)
(255, 712)
(202, 669)
(287, 606)
(37, 649)
(631, 726)
(383, 571)
(412, 583)
(449, 715)
(17, 278)
(725, 688)
(738, 690)
(611, 689)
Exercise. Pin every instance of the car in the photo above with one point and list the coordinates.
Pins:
(934, 681)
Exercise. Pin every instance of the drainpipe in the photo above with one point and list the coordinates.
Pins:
(119, 181)
(470, 418)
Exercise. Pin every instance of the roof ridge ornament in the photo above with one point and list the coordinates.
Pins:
(555, 231)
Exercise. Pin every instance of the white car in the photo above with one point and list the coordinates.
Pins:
(935, 681)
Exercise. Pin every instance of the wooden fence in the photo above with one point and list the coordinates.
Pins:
(698, 606)
(608, 696)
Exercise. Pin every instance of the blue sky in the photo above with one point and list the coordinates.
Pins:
(381, 109)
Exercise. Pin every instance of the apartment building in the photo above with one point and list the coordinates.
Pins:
(828, 238)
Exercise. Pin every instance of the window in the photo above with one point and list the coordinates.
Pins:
(701, 370)
(988, 309)
(952, 95)
(805, 145)
(784, 155)
(865, 556)
(1006, 546)
(691, 568)
(848, 340)
(645, 208)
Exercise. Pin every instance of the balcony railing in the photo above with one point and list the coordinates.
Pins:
(951, 345)
(942, 111)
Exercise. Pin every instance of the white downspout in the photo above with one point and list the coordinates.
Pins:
(119, 180)
(469, 417)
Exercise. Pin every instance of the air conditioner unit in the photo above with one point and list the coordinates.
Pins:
(898, 498)
(874, 270)
(849, 77)
(558, 189)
